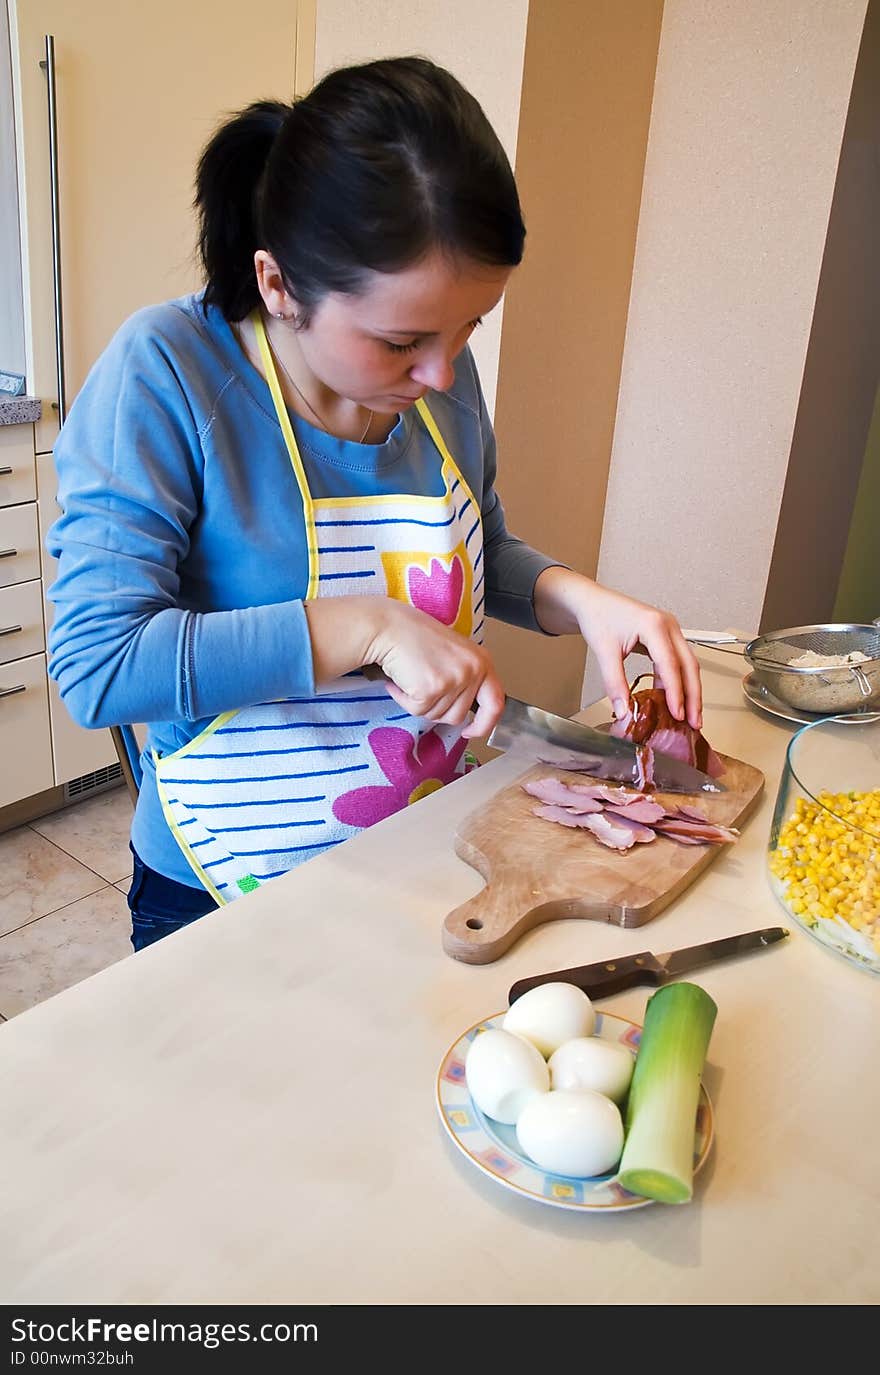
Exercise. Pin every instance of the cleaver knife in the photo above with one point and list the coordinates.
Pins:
(613, 976)
(549, 739)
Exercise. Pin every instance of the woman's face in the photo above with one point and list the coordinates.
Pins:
(398, 338)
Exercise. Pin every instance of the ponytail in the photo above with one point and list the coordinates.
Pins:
(227, 182)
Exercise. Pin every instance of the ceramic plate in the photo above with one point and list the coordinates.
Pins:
(760, 696)
(494, 1149)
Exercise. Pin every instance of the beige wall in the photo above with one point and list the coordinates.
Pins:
(749, 108)
(480, 41)
(839, 388)
(586, 105)
(655, 340)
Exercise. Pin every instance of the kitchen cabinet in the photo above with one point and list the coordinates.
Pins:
(75, 751)
(137, 92)
(17, 480)
(21, 621)
(25, 746)
(24, 729)
(19, 551)
(41, 747)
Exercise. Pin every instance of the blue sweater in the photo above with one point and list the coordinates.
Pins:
(181, 547)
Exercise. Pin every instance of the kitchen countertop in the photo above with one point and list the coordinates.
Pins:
(19, 410)
(245, 1111)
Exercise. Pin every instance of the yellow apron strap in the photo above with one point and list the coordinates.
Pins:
(293, 451)
(431, 426)
(199, 739)
(181, 839)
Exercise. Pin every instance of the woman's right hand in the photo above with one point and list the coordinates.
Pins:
(436, 673)
(432, 671)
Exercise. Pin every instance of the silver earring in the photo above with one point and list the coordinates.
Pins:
(279, 315)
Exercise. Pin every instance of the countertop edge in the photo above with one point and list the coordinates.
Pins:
(20, 410)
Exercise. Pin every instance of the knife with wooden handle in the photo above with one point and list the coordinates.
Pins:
(602, 979)
(546, 738)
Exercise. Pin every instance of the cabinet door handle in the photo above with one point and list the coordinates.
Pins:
(48, 66)
(5, 472)
(8, 553)
(9, 692)
(9, 629)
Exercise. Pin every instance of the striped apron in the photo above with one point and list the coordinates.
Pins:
(263, 788)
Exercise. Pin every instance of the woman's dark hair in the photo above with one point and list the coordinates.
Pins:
(376, 166)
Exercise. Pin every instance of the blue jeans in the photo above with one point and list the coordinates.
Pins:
(160, 905)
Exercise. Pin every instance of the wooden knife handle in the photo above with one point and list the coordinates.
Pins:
(599, 980)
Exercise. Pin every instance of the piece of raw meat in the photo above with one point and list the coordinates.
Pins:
(610, 832)
(556, 793)
(702, 832)
(641, 809)
(619, 818)
(640, 830)
(547, 812)
(651, 726)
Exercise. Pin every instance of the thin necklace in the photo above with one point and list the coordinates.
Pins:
(305, 400)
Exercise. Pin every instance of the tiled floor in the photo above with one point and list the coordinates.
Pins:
(63, 913)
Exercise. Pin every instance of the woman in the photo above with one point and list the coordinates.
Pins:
(288, 478)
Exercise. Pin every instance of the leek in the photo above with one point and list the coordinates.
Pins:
(658, 1152)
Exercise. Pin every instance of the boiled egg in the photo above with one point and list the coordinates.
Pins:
(551, 1014)
(587, 1062)
(504, 1073)
(577, 1133)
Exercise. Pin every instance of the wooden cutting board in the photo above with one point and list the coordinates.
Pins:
(537, 871)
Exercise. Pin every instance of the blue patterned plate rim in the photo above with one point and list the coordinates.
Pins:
(492, 1147)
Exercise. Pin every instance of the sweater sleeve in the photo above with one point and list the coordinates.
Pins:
(122, 648)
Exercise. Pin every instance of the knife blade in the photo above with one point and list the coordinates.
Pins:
(550, 739)
(605, 977)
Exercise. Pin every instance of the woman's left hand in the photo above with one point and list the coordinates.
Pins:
(613, 626)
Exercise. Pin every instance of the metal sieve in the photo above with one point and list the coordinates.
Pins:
(825, 691)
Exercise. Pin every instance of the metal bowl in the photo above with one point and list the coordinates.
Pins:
(825, 691)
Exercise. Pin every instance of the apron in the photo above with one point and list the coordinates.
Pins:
(263, 788)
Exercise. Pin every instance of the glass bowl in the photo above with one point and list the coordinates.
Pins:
(824, 851)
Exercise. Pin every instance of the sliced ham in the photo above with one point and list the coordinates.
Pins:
(651, 726)
(641, 832)
(616, 835)
(687, 814)
(615, 797)
(701, 832)
(562, 815)
(645, 767)
(621, 818)
(683, 839)
(610, 832)
(559, 794)
(641, 809)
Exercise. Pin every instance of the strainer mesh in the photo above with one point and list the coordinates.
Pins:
(821, 641)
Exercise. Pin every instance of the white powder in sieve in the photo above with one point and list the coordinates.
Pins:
(813, 660)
